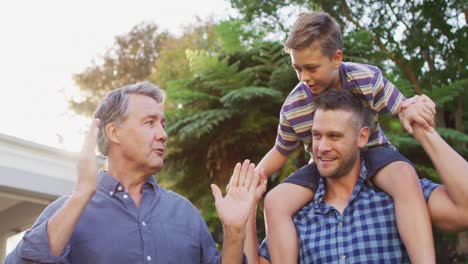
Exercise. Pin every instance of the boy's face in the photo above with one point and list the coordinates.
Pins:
(316, 70)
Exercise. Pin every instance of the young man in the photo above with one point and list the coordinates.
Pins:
(122, 215)
(348, 219)
(315, 46)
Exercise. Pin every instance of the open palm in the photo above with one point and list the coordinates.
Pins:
(234, 209)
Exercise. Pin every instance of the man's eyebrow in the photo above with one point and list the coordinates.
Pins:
(154, 116)
(305, 65)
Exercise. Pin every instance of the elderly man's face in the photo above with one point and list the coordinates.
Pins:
(335, 142)
(142, 135)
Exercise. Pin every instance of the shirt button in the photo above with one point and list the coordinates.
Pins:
(143, 223)
(343, 256)
(111, 193)
(125, 196)
(119, 188)
(340, 224)
(148, 258)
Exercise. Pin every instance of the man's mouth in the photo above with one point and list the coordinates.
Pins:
(326, 159)
(160, 151)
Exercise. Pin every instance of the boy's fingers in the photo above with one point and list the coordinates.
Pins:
(254, 183)
(407, 126)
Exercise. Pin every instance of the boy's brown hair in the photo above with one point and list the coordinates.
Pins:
(315, 26)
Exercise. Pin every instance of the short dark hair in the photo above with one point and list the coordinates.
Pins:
(315, 26)
(343, 99)
(114, 107)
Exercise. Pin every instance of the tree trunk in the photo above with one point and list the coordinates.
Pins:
(462, 244)
(440, 118)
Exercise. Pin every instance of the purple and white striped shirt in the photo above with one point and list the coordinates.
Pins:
(298, 110)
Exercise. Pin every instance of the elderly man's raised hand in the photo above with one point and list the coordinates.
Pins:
(242, 195)
(87, 166)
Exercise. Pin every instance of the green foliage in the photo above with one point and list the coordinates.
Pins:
(130, 60)
(247, 95)
(172, 63)
(446, 93)
(237, 35)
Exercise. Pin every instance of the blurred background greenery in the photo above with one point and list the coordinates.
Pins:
(226, 82)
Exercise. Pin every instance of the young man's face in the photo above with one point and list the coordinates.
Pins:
(335, 142)
(318, 71)
(142, 136)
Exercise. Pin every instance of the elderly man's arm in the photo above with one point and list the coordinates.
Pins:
(235, 208)
(61, 225)
(448, 204)
(46, 241)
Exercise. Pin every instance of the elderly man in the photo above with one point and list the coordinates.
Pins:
(122, 215)
(349, 221)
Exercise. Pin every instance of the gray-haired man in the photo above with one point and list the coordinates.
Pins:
(122, 215)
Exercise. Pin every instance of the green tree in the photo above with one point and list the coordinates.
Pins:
(131, 59)
(172, 63)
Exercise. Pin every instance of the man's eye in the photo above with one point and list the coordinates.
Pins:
(151, 122)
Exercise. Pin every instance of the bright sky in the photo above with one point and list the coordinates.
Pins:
(45, 42)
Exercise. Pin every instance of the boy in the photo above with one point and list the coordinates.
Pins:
(315, 47)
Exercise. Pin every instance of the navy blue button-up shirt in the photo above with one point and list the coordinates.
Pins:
(166, 228)
(366, 231)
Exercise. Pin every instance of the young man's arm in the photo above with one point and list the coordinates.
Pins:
(448, 204)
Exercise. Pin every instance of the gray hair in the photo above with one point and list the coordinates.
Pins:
(114, 107)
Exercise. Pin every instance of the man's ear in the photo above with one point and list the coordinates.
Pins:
(337, 59)
(364, 134)
(112, 132)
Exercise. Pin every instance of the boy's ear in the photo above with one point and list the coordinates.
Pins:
(337, 59)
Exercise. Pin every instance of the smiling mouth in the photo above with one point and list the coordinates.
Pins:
(326, 159)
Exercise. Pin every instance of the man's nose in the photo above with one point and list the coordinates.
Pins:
(323, 145)
(160, 134)
(305, 77)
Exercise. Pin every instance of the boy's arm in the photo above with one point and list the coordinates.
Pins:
(272, 162)
(387, 99)
(448, 204)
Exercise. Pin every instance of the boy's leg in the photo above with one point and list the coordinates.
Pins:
(281, 204)
(395, 175)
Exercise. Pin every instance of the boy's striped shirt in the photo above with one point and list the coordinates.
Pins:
(298, 110)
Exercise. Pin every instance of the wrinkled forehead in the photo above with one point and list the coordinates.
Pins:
(141, 105)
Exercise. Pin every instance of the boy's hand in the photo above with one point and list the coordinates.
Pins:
(420, 113)
(417, 99)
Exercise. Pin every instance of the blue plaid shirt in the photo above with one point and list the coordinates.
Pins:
(366, 232)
